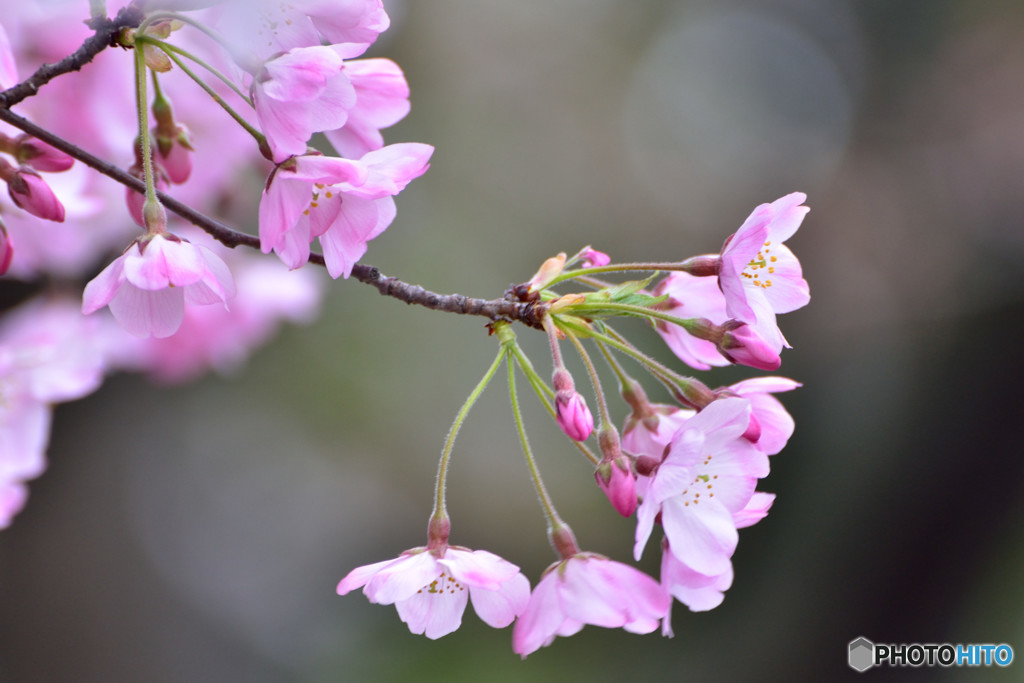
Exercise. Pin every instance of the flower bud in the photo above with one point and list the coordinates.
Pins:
(744, 346)
(573, 415)
(614, 474)
(548, 271)
(40, 155)
(592, 258)
(31, 193)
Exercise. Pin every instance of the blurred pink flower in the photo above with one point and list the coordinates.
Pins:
(429, 588)
(147, 286)
(588, 589)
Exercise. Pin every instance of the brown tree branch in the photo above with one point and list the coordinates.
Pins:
(529, 313)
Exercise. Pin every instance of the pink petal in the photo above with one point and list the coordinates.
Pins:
(434, 614)
(102, 288)
(499, 608)
(148, 312)
(702, 536)
(358, 577)
(403, 578)
(542, 618)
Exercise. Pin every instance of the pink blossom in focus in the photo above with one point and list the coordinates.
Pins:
(776, 424)
(695, 590)
(708, 474)
(31, 193)
(344, 202)
(147, 286)
(757, 271)
(382, 100)
(299, 93)
(573, 416)
(589, 589)
(430, 591)
(743, 345)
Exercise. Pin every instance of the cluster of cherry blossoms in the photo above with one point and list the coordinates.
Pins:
(240, 85)
(180, 303)
(691, 467)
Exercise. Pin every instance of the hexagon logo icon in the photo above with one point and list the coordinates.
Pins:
(862, 654)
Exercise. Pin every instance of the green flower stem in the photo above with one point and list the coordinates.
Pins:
(638, 311)
(446, 452)
(684, 266)
(595, 381)
(203, 28)
(172, 52)
(546, 395)
(172, 48)
(554, 521)
(142, 104)
(694, 391)
(624, 379)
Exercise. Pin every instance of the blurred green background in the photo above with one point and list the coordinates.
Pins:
(197, 533)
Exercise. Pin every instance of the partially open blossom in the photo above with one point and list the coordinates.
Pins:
(743, 345)
(31, 193)
(147, 286)
(589, 589)
(430, 589)
(573, 415)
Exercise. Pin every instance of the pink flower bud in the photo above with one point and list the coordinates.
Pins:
(42, 156)
(6, 250)
(31, 193)
(573, 415)
(616, 479)
(592, 258)
(744, 346)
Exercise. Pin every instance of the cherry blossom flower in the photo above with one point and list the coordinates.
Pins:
(589, 589)
(692, 297)
(759, 276)
(382, 100)
(742, 344)
(429, 588)
(592, 258)
(344, 202)
(708, 474)
(298, 93)
(147, 286)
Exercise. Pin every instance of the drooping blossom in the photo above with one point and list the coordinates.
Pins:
(344, 202)
(218, 338)
(742, 344)
(692, 297)
(298, 93)
(147, 286)
(430, 589)
(589, 589)
(382, 100)
(708, 474)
